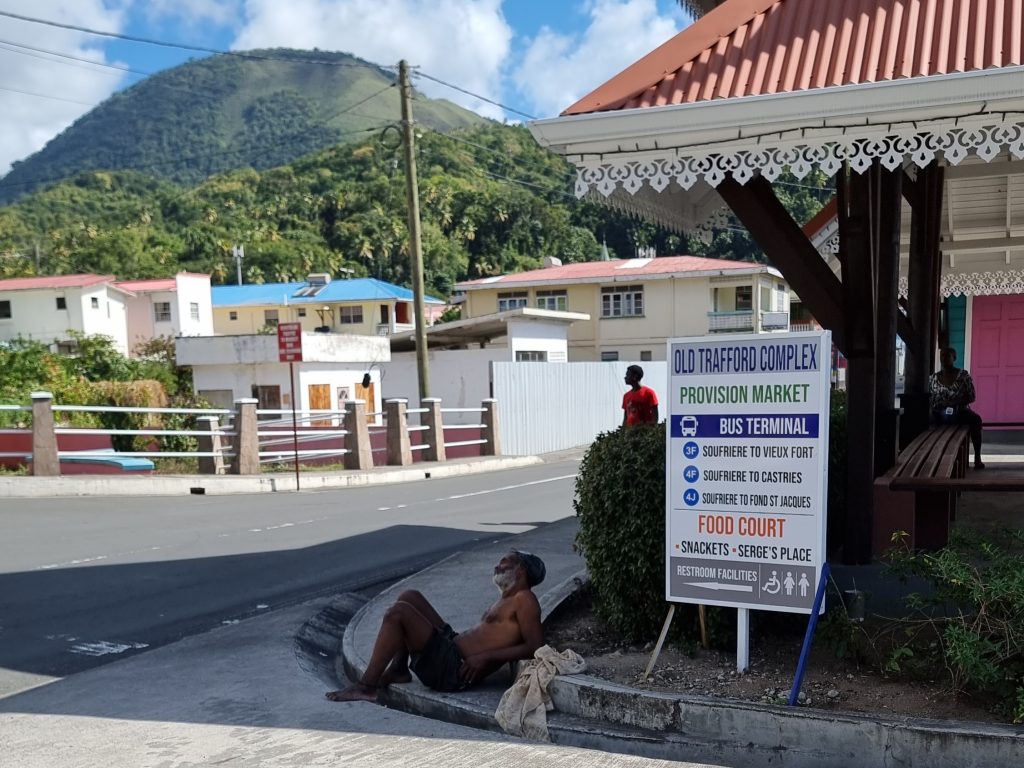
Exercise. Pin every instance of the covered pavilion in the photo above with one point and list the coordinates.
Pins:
(914, 107)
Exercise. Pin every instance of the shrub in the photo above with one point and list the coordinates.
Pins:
(972, 622)
(620, 500)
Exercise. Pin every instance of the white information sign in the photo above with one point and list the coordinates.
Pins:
(747, 467)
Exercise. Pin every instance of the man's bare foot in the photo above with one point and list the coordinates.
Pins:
(357, 692)
(389, 678)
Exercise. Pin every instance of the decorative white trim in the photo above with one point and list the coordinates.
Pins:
(975, 284)
(982, 283)
(684, 166)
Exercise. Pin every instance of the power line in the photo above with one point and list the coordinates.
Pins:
(186, 46)
(10, 45)
(498, 152)
(46, 96)
(474, 95)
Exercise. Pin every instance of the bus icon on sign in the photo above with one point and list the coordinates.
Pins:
(688, 426)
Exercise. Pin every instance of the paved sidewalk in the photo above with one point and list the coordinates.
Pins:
(243, 695)
(28, 487)
(593, 713)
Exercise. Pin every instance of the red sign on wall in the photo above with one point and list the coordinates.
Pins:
(289, 342)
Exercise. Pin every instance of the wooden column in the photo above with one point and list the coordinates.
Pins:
(887, 190)
(922, 296)
(854, 206)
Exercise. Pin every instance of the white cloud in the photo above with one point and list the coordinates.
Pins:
(558, 69)
(27, 122)
(465, 42)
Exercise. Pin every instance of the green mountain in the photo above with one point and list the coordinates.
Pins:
(258, 110)
(491, 199)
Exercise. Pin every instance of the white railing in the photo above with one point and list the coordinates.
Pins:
(220, 432)
(774, 321)
(458, 443)
(279, 445)
(249, 437)
(742, 320)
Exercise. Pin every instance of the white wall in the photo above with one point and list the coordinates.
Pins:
(545, 408)
(139, 319)
(34, 314)
(255, 349)
(108, 318)
(240, 379)
(191, 289)
(460, 377)
(534, 336)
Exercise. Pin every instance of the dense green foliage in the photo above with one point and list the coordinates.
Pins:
(971, 622)
(225, 112)
(620, 500)
(342, 207)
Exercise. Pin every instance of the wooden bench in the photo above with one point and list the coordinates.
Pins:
(919, 494)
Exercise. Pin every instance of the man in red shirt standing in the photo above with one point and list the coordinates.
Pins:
(640, 404)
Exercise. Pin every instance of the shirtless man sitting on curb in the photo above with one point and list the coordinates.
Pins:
(414, 637)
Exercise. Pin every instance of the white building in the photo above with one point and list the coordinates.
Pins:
(46, 309)
(173, 306)
(225, 368)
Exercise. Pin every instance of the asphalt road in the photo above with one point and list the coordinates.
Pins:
(87, 581)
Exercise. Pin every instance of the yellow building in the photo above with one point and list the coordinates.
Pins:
(363, 306)
(636, 304)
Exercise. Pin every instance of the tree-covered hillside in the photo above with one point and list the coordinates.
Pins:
(213, 115)
(492, 201)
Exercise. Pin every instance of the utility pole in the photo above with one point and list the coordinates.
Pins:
(238, 252)
(415, 245)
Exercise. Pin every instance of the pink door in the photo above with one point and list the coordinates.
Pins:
(997, 357)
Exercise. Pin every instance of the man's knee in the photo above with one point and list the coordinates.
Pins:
(410, 595)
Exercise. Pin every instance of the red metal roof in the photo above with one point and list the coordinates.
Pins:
(145, 286)
(53, 281)
(756, 47)
(619, 269)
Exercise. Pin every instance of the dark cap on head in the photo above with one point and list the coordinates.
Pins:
(533, 566)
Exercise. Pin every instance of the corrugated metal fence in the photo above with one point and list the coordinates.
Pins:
(554, 406)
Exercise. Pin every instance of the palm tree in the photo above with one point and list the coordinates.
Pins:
(699, 7)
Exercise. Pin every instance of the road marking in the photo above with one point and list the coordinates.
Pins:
(84, 560)
(506, 488)
(105, 648)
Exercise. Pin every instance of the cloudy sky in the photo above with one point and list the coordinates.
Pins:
(537, 56)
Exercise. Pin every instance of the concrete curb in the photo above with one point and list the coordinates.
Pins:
(597, 714)
(28, 487)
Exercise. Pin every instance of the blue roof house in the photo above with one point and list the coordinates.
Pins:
(362, 306)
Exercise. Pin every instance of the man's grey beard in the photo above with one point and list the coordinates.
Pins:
(504, 579)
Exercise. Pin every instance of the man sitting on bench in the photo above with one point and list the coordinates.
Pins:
(951, 391)
(412, 631)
